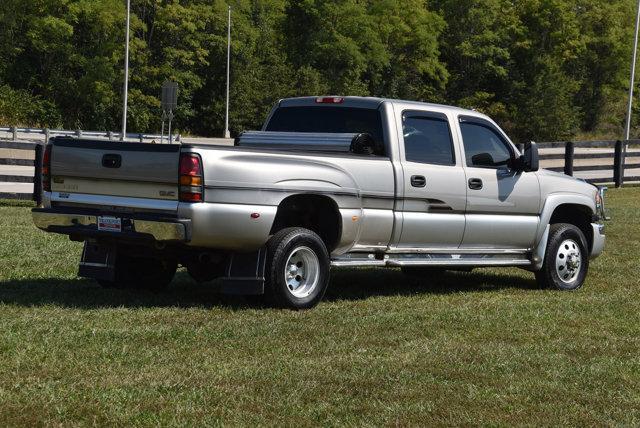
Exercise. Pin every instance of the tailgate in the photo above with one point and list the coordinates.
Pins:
(120, 169)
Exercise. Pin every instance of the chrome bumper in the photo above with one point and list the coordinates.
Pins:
(598, 240)
(70, 223)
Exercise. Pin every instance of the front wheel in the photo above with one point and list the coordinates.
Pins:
(297, 270)
(566, 260)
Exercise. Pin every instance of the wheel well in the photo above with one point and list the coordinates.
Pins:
(577, 215)
(314, 212)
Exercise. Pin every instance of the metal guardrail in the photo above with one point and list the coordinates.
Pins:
(30, 134)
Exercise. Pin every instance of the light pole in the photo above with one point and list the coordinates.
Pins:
(627, 128)
(126, 75)
(226, 116)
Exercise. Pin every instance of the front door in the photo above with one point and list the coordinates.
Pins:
(503, 205)
(434, 183)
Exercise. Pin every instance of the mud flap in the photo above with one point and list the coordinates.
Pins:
(98, 262)
(245, 273)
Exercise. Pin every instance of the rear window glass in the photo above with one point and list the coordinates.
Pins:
(327, 119)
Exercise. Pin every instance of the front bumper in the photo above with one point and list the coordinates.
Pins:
(86, 226)
(599, 239)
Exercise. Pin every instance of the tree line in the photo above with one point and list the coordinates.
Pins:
(544, 69)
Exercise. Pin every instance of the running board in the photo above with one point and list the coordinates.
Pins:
(445, 260)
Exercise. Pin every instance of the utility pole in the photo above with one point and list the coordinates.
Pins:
(126, 75)
(226, 116)
(627, 128)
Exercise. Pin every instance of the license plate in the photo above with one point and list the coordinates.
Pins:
(109, 224)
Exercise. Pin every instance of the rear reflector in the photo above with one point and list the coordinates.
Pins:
(329, 100)
(190, 197)
(191, 178)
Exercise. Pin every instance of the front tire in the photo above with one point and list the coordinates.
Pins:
(566, 261)
(297, 270)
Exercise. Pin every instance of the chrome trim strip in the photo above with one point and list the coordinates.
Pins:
(161, 231)
(431, 262)
(465, 262)
(492, 251)
(358, 263)
(117, 201)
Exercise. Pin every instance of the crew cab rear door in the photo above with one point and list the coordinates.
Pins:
(434, 191)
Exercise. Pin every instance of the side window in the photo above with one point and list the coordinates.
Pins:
(427, 139)
(483, 147)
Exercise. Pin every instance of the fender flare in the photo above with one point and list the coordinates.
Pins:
(552, 202)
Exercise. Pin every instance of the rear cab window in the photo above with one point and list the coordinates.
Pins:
(326, 119)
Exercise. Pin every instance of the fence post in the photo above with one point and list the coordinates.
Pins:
(46, 135)
(110, 135)
(569, 150)
(141, 138)
(78, 133)
(37, 178)
(618, 165)
(14, 131)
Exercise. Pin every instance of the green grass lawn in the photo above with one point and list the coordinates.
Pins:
(470, 348)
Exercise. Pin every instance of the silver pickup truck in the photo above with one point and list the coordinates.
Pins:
(328, 182)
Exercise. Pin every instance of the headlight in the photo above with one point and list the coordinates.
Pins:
(600, 210)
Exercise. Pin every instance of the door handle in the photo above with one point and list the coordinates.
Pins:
(418, 181)
(475, 184)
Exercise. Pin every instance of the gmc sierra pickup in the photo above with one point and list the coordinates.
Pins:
(328, 182)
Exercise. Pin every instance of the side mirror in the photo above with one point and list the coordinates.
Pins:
(482, 159)
(530, 160)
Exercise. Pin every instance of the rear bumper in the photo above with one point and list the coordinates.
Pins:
(86, 226)
(599, 239)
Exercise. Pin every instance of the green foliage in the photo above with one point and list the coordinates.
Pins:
(545, 69)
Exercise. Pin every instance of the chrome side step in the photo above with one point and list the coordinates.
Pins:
(452, 260)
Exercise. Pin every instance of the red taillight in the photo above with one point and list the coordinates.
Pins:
(46, 169)
(329, 100)
(190, 165)
(191, 178)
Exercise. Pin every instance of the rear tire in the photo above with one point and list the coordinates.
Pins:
(297, 269)
(566, 260)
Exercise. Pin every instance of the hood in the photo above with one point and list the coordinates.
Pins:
(555, 182)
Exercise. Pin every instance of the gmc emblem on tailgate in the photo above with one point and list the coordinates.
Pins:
(167, 193)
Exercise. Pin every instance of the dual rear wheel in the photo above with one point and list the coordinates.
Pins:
(297, 269)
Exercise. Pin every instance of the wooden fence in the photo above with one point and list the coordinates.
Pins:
(32, 157)
(620, 154)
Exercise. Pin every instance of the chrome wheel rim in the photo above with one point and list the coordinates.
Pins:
(568, 261)
(302, 272)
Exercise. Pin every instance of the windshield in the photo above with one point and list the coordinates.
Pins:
(327, 119)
